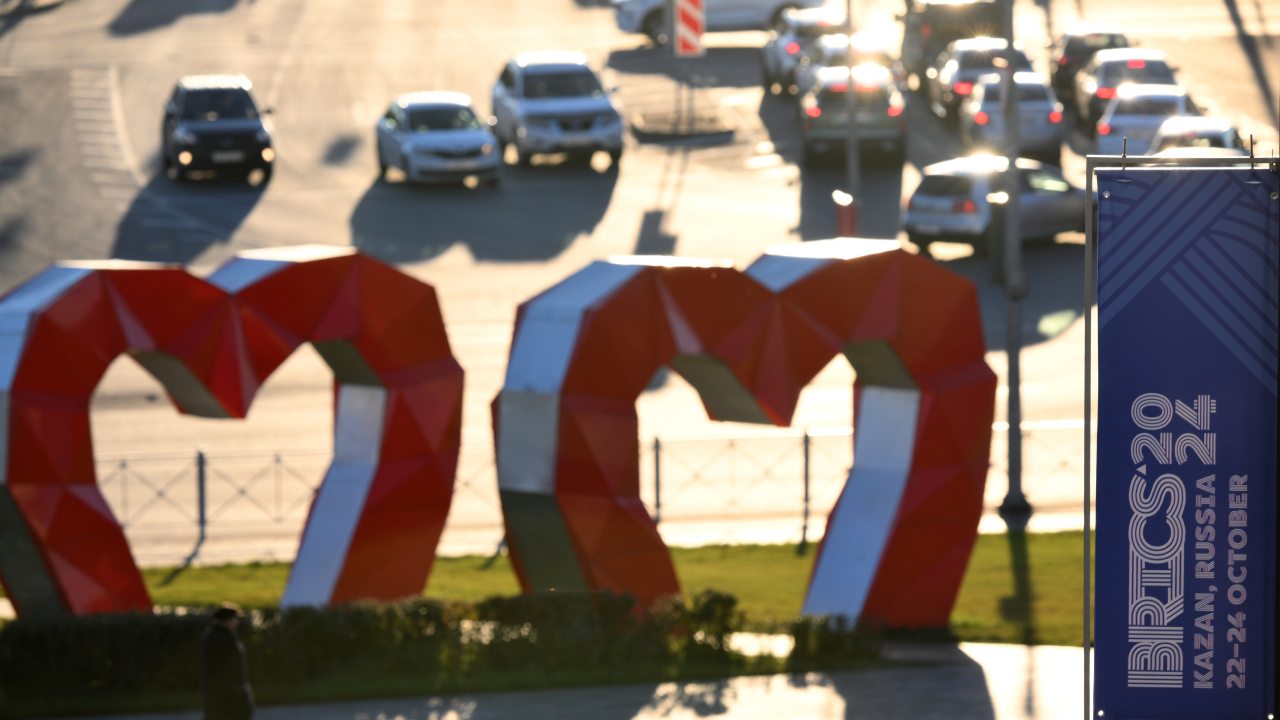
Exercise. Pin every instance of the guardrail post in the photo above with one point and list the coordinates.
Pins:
(804, 527)
(657, 480)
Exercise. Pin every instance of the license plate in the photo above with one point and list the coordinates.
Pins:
(866, 117)
(460, 164)
(228, 156)
(578, 141)
(929, 229)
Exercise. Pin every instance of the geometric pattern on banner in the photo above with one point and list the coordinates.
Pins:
(377, 516)
(565, 423)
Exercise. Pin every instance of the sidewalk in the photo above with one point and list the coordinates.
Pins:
(971, 682)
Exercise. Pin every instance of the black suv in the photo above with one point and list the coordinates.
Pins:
(211, 124)
(1076, 47)
(932, 25)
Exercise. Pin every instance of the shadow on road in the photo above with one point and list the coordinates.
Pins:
(13, 165)
(535, 215)
(175, 223)
(1055, 276)
(720, 67)
(140, 16)
(12, 13)
(1249, 44)
(954, 681)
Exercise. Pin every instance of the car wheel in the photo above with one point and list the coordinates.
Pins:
(404, 166)
(524, 158)
(921, 241)
(382, 164)
(810, 158)
(615, 156)
(266, 174)
(655, 26)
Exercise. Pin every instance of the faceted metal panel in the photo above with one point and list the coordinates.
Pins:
(212, 343)
(749, 342)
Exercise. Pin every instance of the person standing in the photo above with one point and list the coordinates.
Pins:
(224, 678)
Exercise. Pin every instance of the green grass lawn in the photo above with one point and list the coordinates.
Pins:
(1039, 603)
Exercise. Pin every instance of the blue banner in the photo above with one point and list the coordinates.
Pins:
(1187, 380)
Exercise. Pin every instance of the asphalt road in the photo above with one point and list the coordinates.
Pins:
(81, 89)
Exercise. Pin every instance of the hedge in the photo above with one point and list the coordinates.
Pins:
(150, 662)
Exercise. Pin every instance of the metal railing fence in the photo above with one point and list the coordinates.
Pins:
(791, 477)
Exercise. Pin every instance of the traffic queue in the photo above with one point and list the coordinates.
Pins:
(1099, 92)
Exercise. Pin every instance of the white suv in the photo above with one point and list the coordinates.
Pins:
(552, 102)
(650, 16)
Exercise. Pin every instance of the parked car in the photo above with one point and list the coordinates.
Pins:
(930, 26)
(1040, 130)
(794, 34)
(650, 16)
(1197, 132)
(951, 204)
(1136, 113)
(824, 112)
(552, 102)
(840, 51)
(437, 137)
(1077, 46)
(212, 124)
(951, 78)
(1097, 84)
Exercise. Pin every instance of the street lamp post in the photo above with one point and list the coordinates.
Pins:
(1014, 281)
(852, 154)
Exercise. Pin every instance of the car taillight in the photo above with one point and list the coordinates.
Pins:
(962, 88)
(964, 206)
(895, 110)
(925, 31)
(839, 87)
(814, 111)
(1055, 116)
(1062, 60)
(793, 47)
(1106, 93)
(1137, 64)
(981, 118)
(1104, 129)
(911, 204)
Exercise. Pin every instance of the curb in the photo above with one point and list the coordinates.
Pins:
(716, 130)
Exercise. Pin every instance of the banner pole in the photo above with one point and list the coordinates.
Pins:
(1088, 403)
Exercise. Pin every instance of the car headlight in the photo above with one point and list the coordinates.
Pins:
(486, 148)
(184, 136)
(263, 136)
(610, 118)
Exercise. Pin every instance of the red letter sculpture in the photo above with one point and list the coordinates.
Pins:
(900, 536)
(378, 514)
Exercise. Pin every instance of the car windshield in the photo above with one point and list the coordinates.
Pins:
(1025, 92)
(986, 59)
(562, 84)
(1181, 141)
(945, 185)
(1147, 106)
(221, 104)
(449, 117)
(1087, 44)
(1147, 72)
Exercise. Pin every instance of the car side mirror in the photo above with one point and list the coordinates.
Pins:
(268, 111)
(170, 108)
(615, 89)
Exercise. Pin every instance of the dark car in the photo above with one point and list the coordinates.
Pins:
(1077, 46)
(213, 126)
(951, 79)
(932, 25)
(1096, 83)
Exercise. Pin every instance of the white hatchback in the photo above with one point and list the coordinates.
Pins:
(1136, 114)
(650, 16)
(436, 137)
